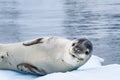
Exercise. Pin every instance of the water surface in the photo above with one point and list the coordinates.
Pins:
(97, 20)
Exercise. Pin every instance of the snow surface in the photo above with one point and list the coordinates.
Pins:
(92, 70)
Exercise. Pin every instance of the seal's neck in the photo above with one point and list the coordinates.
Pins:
(69, 59)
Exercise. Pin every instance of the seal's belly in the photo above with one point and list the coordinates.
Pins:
(48, 64)
(54, 66)
(28, 59)
(43, 65)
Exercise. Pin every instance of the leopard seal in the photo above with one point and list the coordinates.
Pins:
(45, 55)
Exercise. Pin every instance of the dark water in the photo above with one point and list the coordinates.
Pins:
(97, 20)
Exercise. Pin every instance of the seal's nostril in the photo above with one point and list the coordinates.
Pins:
(73, 44)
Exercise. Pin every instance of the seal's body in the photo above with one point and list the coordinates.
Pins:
(45, 55)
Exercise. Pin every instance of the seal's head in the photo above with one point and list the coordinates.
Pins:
(81, 49)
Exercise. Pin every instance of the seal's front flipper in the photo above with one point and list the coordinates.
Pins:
(25, 67)
(33, 42)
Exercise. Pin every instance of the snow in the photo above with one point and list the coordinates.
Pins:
(92, 70)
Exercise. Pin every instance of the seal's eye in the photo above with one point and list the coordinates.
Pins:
(73, 44)
(87, 52)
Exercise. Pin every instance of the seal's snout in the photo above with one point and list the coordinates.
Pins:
(82, 46)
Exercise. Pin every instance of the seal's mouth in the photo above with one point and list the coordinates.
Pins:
(76, 56)
(81, 59)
